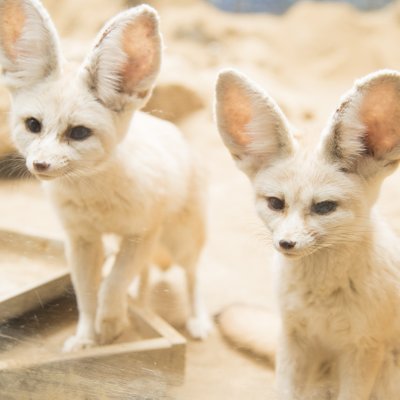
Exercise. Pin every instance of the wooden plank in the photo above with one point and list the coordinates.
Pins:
(27, 366)
(157, 324)
(141, 375)
(146, 367)
(22, 242)
(34, 296)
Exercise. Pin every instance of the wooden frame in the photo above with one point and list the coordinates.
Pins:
(33, 295)
(138, 369)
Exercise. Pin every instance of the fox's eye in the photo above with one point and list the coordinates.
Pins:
(33, 125)
(275, 204)
(79, 132)
(324, 207)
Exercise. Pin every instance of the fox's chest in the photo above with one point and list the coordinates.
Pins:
(320, 318)
(111, 210)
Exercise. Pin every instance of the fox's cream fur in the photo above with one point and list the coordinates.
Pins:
(105, 171)
(338, 263)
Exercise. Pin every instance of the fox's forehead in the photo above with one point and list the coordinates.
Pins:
(63, 97)
(306, 177)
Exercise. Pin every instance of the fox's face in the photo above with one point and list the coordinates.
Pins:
(311, 201)
(67, 120)
(61, 129)
(307, 204)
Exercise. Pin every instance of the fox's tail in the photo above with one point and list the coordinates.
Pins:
(250, 328)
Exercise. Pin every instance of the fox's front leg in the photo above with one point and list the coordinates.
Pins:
(359, 368)
(85, 258)
(134, 255)
(292, 370)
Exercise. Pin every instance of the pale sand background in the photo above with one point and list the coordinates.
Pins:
(306, 59)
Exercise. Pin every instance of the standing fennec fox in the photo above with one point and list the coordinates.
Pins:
(104, 172)
(338, 263)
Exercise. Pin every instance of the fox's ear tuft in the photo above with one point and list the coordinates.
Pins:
(126, 58)
(364, 134)
(29, 49)
(251, 124)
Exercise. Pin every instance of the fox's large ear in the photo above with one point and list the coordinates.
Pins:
(29, 50)
(125, 61)
(364, 133)
(251, 124)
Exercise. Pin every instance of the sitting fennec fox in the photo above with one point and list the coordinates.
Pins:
(338, 264)
(104, 172)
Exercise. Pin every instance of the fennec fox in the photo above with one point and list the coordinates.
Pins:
(104, 172)
(338, 264)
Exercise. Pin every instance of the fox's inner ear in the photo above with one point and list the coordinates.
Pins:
(125, 60)
(29, 49)
(365, 131)
(251, 124)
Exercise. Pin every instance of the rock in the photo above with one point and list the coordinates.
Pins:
(173, 102)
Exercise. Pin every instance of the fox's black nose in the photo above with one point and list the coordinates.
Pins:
(287, 244)
(41, 166)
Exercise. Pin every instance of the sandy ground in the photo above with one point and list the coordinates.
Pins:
(306, 59)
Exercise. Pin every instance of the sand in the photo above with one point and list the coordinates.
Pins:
(306, 59)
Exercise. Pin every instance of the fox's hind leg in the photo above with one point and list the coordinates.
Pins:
(143, 285)
(185, 237)
(199, 323)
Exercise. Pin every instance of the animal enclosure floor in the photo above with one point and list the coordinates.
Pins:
(213, 369)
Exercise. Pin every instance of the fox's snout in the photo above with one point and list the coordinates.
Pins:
(46, 162)
(40, 166)
(291, 234)
(295, 235)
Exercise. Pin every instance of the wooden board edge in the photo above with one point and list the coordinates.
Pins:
(158, 325)
(33, 296)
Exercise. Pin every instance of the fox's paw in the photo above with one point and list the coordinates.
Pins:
(110, 326)
(76, 343)
(199, 327)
